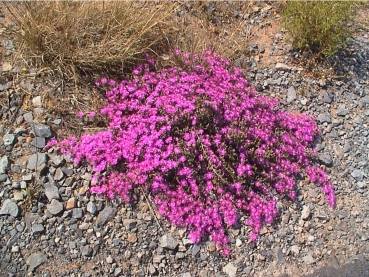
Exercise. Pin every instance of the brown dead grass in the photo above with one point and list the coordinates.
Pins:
(109, 37)
(213, 25)
(78, 36)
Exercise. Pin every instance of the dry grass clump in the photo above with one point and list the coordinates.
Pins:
(218, 25)
(109, 36)
(101, 36)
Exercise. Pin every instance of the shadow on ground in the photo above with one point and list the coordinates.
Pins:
(358, 267)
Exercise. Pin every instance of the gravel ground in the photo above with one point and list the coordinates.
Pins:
(50, 225)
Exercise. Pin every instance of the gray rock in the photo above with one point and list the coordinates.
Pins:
(338, 150)
(157, 258)
(9, 45)
(38, 142)
(152, 269)
(180, 255)
(5, 87)
(14, 168)
(15, 185)
(58, 160)
(67, 171)
(308, 259)
(324, 118)
(282, 67)
(105, 216)
(38, 111)
(347, 147)
(168, 242)
(28, 117)
(30, 218)
(279, 255)
(51, 191)
(230, 270)
(23, 185)
(37, 228)
(129, 223)
(77, 213)
(305, 212)
(238, 242)
(27, 177)
(365, 100)
(319, 146)
(37, 102)
(55, 207)
(361, 185)
(327, 98)
(118, 271)
(42, 130)
(4, 164)
(20, 131)
(332, 134)
(8, 139)
(36, 160)
(109, 259)
(35, 260)
(3, 177)
(291, 94)
(57, 121)
(357, 174)
(342, 111)
(358, 120)
(195, 249)
(41, 170)
(337, 122)
(247, 270)
(9, 208)
(325, 159)
(320, 214)
(58, 174)
(91, 208)
(86, 250)
(295, 249)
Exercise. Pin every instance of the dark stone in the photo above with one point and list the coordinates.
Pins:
(42, 130)
(105, 216)
(38, 142)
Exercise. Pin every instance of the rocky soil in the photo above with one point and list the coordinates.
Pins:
(50, 225)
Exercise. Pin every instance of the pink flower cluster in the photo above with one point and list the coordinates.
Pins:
(203, 143)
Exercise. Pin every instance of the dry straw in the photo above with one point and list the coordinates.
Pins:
(88, 36)
(108, 36)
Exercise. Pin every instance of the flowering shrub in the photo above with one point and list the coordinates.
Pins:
(203, 143)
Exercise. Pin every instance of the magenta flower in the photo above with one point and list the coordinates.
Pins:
(186, 55)
(203, 143)
(80, 113)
